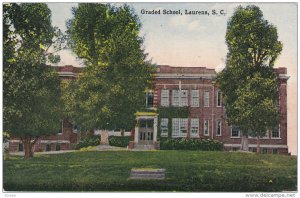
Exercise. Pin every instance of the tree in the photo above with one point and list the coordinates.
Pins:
(111, 87)
(248, 82)
(31, 89)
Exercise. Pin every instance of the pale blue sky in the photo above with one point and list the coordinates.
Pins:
(197, 40)
(189, 40)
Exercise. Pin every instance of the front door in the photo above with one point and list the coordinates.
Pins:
(146, 131)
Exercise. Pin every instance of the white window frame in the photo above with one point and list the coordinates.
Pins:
(179, 98)
(62, 128)
(239, 132)
(175, 127)
(206, 99)
(194, 127)
(164, 98)
(184, 98)
(219, 99)
(175, 97)
(195, 98)
(206, 127)
(147, 101)
(278, 133)
(178, 125)
(218, 124)
(164, 127)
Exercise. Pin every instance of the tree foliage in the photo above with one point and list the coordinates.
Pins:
(31, 89)
(248, 82)
(111, 87)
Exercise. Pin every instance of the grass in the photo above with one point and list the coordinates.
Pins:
(185, 171)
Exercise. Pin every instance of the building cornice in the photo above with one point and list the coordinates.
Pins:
(184, 76)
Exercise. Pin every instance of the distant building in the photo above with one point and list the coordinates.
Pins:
(189, 88)
(66, 137)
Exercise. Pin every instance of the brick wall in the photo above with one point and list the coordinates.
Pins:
(203, 79)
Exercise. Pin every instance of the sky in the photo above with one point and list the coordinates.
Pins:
(199, 40)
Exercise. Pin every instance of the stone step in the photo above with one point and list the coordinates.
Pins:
(144, 147)
(147, 174)
(154, 172)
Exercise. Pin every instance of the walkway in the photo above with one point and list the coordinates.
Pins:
(97, 148)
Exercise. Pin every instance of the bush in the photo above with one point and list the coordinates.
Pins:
(88, 141)
(120, 141)
(192, 144)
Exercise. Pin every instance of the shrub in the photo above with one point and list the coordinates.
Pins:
(120, 141)
(88, 141)
(192, 144)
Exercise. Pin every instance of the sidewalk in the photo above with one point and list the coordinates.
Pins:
(109, 148)
(97, 148)
(43, 153)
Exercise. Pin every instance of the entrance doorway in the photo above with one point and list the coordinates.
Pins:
(146, 131)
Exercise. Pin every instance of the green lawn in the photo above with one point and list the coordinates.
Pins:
(185, 171)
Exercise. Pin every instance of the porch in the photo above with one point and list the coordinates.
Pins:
(145, 133)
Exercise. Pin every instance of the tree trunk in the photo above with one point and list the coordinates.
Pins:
(258, 145)
(28, 147)
(244, 143)
(122, 132)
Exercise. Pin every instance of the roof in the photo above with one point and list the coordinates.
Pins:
(184, 70)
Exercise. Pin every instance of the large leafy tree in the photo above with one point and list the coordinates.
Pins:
(31, 89)
(248, 82)
(111, 87)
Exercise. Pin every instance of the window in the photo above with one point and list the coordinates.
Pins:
(164, 127)
(57, 147)
(146, 123)
(195, 98)
(164, 97)
(75, 128)
(184, 98)
(264, 151)
(175, 98)
(206, 99)
(183, 127)
(194, 127)
(219, 99)
(21, 147)
(60, 131)
(48, 147)
(206, 127)
(175, 127)
(179, 98)
(235, 148)
(274, 151)
(218, 127)
(276, 132)
(179, 127)
(235, 132)
(149, 99)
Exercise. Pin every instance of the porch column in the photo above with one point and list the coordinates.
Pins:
(155, 129)
(136, 134)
